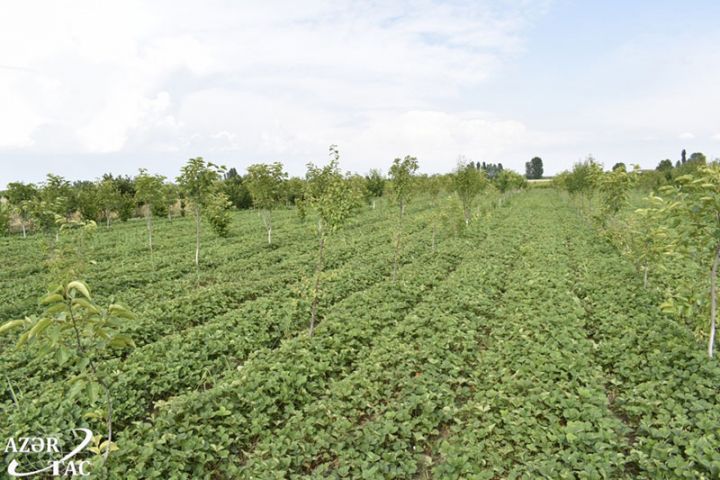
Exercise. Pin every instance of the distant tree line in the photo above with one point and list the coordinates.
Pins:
(29, 207)
(666, 172)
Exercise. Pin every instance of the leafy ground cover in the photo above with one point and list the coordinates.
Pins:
(526, 347)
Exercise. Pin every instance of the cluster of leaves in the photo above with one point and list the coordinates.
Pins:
(508, 181)
(534, 169)
(539, 358)
(468, 182)
(402, 177)
(199, 353)
(73, 328)
(676, 231)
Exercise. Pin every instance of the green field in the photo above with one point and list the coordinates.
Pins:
(524, 347)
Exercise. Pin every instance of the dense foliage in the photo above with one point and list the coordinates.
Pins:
(525, 345)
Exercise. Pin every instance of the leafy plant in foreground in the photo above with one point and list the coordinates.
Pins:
(614, 188)
(695, 213)
(74, 328)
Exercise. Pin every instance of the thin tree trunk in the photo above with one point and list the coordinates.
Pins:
(316, 288)
(267, 220)
(23, 229)
(150, 231)
(645, 275)
(107, 219)
(713, 301)
(373, 204)
(197, 237)
(106, 387)
(108, 421)
(396, 256)
(12, 393)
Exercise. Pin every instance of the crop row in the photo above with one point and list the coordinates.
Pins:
(193, 357)
(223, 422)
(659, 379)
(268, 271)
(194, 433)
(539, 409)
(378, 421)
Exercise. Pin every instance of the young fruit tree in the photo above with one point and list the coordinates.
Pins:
(217, 212)
(333, 197)
(468, 182)
(695, 212)
(375, 185)
(402, 175)
(4, 219)
(265, 183)
(583, 181)
(648, 239)
(109, 199)
(433, 186)
(74, 329)
(20, 196)
(614, 187)
(170, 195)
(199, 182)
(149, 193)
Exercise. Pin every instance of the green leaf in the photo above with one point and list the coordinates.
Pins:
(12, 324)
(62, 355)
(119, 311)
(85, 304)
(52, 298)
(40, 327)
(120, 341)
(23, 339)
(56, 308)
(77, 387)
(92, 391)
(80, 287)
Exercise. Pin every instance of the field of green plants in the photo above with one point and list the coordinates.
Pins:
(525, 346)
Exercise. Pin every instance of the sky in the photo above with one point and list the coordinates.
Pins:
(88, 87)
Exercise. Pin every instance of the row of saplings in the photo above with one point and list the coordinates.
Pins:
(27, 207)
(72, 321)
(679, 226)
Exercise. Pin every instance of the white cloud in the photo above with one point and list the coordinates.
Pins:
(272, 79)
(686, 136)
